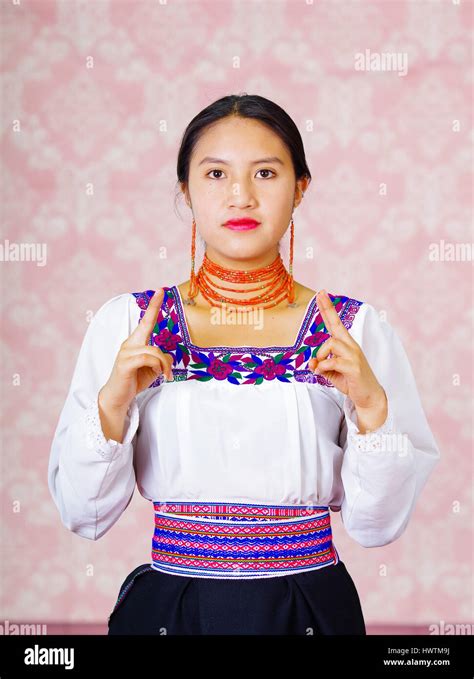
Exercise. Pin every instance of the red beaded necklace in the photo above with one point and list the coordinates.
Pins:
(274, 278)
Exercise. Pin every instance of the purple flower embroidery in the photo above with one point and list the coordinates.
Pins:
(219, 369)
(269, 369)
(167, 340)
(250, 366)
(316, 339)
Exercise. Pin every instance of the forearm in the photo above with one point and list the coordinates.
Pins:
(370, 419)
(112, 420)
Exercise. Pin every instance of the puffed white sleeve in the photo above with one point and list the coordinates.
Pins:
(384, 471)
(91, 478)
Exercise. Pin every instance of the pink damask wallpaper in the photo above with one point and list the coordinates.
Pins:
(95, 98)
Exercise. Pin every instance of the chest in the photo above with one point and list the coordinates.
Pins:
(235, 328)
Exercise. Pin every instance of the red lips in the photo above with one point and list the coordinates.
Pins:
(242, 223)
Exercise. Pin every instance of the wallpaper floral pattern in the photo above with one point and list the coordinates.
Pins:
(95, 97)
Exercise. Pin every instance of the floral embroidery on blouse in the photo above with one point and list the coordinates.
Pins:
(240, 365)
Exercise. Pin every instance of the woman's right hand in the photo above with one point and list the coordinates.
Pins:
(137, 364)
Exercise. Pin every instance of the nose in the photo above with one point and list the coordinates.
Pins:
(242, 195)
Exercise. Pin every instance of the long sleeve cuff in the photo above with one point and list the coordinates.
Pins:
(95, 438)
(373, 440)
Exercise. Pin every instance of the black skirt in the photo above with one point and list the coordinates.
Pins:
(320, 601)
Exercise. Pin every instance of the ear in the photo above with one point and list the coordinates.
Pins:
(185, 191)
(300, 189)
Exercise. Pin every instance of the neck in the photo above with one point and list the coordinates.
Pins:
(245, 263)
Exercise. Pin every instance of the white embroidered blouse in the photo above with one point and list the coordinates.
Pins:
(242, 424)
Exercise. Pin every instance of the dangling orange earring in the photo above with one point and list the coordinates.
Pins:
(193, 288)
(291, 283)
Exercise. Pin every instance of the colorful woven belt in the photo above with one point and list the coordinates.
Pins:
(226, 540)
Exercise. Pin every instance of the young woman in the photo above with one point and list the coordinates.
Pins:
(246, 407)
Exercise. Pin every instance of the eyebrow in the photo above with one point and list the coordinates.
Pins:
(272, 159)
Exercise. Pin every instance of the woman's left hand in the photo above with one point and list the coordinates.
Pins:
(348, 369)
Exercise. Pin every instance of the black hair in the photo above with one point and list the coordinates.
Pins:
(246, 106)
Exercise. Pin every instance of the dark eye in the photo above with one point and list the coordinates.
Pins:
(213, 171)
(266, 171)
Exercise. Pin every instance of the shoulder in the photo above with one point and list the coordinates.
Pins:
(110, 324)
(361, 318)
(367, 323)
(113, 307)
(125, 309)
(115, 320)
(138, 299)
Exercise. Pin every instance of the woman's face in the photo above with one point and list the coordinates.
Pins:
(238, 186)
